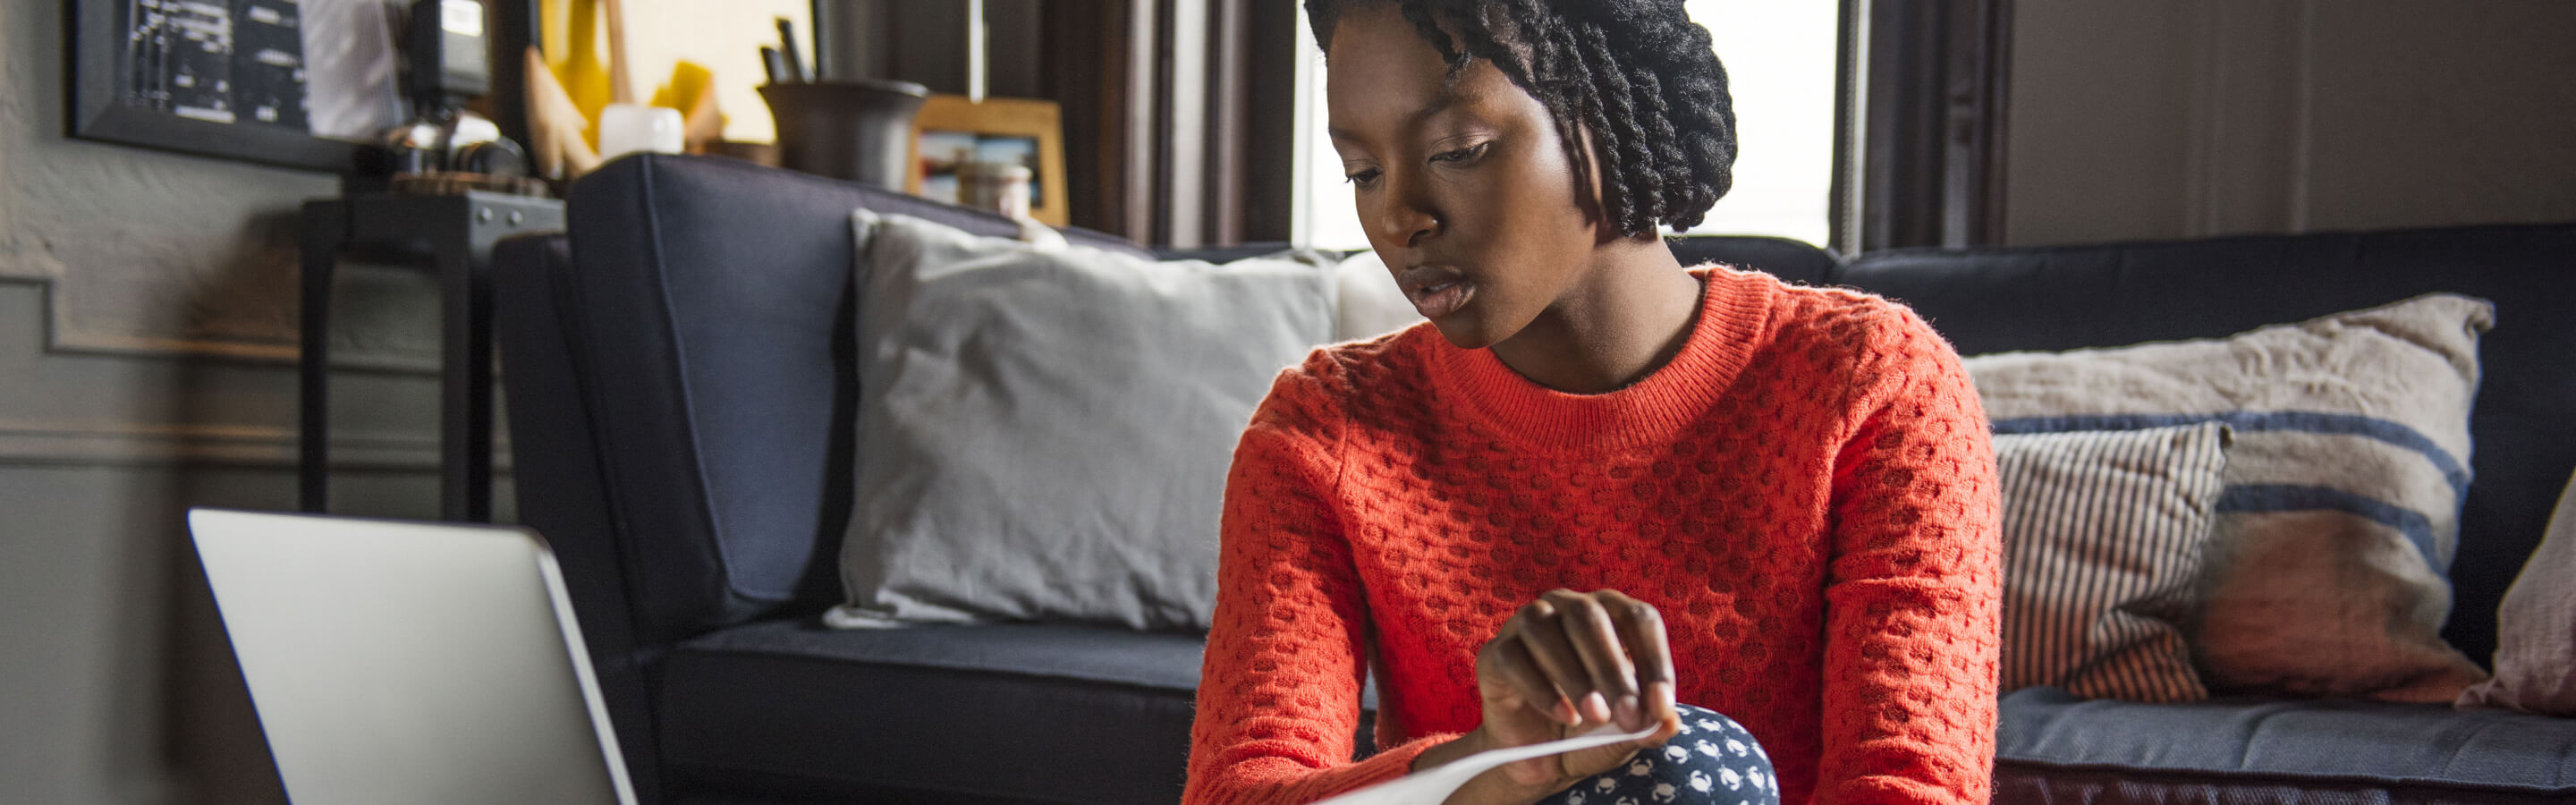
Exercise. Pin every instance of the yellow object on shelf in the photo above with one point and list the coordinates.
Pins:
(574, 53)
(692, 90)
(611, 51)
(688, 79)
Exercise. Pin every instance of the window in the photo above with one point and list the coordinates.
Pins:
(1780, 68)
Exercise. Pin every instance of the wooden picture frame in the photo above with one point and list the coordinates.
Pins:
(1031, 128)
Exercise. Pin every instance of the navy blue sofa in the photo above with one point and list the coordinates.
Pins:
(680, 404)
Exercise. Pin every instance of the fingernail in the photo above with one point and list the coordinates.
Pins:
(1664, 691)
(1628, 713)
(1564, 711)
(1596, 707)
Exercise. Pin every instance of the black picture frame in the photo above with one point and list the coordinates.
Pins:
(96, 67)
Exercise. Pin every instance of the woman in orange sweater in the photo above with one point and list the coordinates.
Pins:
(1778, 503)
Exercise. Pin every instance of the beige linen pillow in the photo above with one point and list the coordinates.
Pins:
(2535, 660)
(2325, 574)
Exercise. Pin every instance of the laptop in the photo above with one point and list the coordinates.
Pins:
(399, 662)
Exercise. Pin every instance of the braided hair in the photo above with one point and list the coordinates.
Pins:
(1637, 76)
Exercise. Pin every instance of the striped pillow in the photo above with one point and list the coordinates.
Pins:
(2102, 538)
(2324, 575)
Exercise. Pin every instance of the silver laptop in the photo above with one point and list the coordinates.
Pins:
(397, 662)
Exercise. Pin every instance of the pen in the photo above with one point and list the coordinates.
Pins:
(775, 63)
(787, 48)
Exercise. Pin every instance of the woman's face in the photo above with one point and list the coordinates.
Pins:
(1463, 185)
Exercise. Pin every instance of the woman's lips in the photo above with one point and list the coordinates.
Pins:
(1436, 291)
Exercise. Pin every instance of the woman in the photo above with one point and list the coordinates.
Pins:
(1779, 502)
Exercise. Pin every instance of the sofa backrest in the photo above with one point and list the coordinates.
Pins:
(2110, 295)
(1791, 260)
(711, 305)
(707, 316)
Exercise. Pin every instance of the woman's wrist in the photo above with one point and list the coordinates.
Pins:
(1470, 743)
(1490, 787)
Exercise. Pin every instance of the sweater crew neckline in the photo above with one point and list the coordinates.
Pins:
(1734, 310)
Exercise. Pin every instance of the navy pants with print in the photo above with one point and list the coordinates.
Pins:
(1712, 761)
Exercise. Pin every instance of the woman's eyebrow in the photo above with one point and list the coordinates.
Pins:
(1449, 97)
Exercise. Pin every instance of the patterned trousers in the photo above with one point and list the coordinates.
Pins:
(1712, 761)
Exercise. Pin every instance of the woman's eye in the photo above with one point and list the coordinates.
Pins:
(1462, 154)
(1362, 178)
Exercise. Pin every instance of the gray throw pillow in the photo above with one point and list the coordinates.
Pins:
(2102, 540)
(1044, 430)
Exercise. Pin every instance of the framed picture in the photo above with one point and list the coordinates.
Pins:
(951, 130)
(294, 83)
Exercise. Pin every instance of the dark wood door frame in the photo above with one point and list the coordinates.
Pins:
(1921, 123)
(1176, 124)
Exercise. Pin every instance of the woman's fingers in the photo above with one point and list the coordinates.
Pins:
(1508, 659)
(1588, 627)
(1641, 629)
(1570, 658)
(1543, 632)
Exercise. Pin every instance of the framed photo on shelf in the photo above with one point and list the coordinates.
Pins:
(951, 130)
(280, 82)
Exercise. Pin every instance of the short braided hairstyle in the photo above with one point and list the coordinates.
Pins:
(1636, 75)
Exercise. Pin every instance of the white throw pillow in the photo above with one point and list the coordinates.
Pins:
(2325, 575)
(1044, 432)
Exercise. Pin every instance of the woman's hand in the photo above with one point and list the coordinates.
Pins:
(1564, 665)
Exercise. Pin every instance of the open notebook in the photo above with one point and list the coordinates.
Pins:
(1433, 785)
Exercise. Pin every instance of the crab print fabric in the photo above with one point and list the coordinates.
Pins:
(1712, 761)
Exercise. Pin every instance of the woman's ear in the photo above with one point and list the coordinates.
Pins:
(1590, 193)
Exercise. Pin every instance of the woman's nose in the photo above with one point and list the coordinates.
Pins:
(1407, 215)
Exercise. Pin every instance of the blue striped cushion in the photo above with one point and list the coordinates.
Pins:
(2325, 572)
(2102, 539)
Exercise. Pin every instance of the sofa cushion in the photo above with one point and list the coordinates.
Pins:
(2065, 297)
(1084, 714)
(2048, 742)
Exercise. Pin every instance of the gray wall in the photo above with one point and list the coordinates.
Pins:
(2184, 118)
(147, 323)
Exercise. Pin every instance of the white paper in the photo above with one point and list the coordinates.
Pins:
(1431, 786)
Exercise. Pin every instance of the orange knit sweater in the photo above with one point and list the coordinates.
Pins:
(1806, 491)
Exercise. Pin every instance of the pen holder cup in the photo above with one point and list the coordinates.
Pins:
(855, 130)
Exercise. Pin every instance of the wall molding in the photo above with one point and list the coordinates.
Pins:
(62, 340)
(236, 446)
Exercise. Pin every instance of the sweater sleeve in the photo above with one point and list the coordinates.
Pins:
(1914, 588)
(1279, 690)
